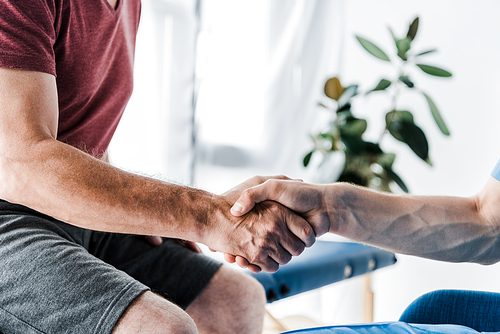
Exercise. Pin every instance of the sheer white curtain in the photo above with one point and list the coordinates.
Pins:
(155, 136)
(259, 66)
(305, 50)
(264, 67)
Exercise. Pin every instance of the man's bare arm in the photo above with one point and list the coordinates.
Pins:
(40, 172)
(56, 179)
(437, 227)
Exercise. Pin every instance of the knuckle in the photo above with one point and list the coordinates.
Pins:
(281, 177)
(273, 185)
(245, 194)
(308, 231)
(259, 178)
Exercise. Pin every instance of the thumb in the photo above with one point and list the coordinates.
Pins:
(250, 197)
(154, 240)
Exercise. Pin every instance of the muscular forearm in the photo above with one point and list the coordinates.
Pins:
(442, 228)
(65, 183)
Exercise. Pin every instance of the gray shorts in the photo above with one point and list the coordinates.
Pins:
(58, 278)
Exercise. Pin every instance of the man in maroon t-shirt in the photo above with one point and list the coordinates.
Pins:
(72, 258)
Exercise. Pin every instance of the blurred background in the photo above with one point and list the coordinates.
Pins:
(225, 90)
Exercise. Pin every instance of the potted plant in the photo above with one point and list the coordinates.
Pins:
(366, 163)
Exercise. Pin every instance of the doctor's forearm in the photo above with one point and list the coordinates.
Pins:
(442, 228)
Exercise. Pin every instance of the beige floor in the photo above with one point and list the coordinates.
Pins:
(275, 326)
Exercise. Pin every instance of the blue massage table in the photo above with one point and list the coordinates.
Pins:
(326, 262)
(442, 311)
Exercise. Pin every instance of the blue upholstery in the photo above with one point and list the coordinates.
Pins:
(443, 311)
(474, 309)
(322, 264)
(388, 327)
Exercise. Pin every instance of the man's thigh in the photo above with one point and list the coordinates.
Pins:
(171, 270)
(51, 284)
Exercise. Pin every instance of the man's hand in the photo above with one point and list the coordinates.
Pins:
(267, 237)
(303, 198)
(157, 241)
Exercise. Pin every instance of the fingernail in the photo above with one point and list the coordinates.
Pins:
(237, 207)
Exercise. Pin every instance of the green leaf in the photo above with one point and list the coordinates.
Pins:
(415, 138)
(398, 116)
(382, 85)
(403, 46)
(333, 88)
(437, 116)
(393, 130)
(412, 31)
(395, 177)
(390, 119)
(349, 92)
(404, 79)
(405, 115)
(436, 71)
(354, 127)
(373, 49)
(425, 52)
(307, 158)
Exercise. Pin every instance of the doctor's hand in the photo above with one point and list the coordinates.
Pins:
(307, 200)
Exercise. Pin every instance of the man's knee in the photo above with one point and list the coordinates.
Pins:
(250, 290)
(235, 299)
(150, 313)
(236, 289)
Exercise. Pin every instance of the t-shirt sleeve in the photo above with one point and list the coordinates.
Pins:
(496, 171)
(27, 35)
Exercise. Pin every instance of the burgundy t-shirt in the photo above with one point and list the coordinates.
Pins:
(89, 47)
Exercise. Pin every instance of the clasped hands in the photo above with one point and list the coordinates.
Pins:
(263, 222)
(274, 218)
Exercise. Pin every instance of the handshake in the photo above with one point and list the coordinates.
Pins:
(263, 222)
